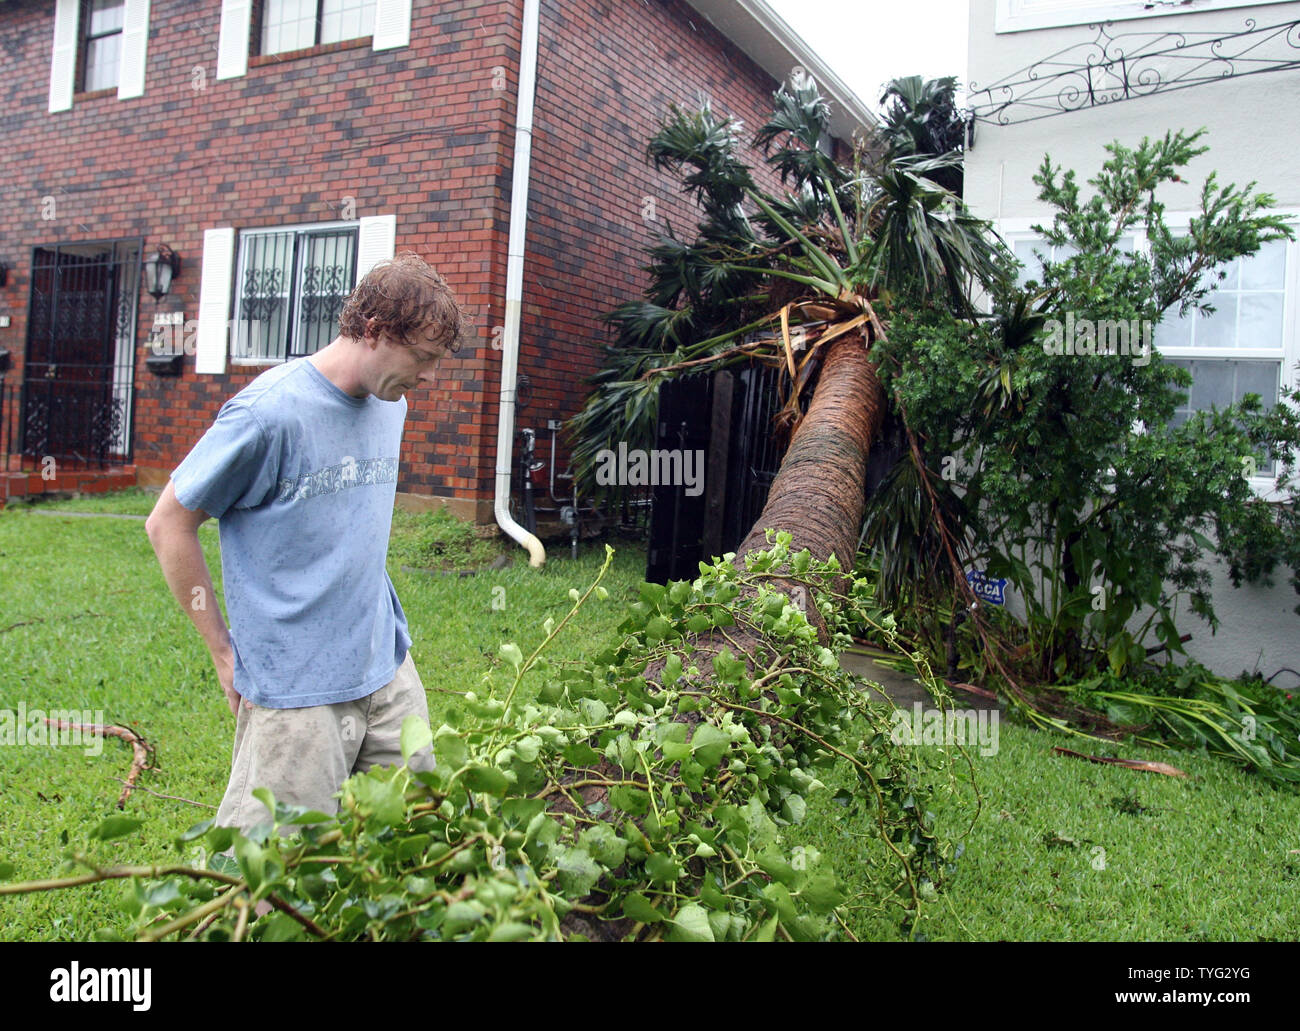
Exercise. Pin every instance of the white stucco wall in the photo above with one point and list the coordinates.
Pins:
(1253, 122)
(1253, 128)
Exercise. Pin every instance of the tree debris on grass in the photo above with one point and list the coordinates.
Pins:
(1132, 764)
(140, 749)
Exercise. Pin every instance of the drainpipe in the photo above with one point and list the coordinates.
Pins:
(515, 283)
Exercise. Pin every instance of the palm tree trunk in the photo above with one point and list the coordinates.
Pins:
(819, 492)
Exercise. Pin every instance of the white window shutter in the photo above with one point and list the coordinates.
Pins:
(376, 242)
(135, 45)
(214, 300)
(392, 24)
(232, 49)
(63, 59)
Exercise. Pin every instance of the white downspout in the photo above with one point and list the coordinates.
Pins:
(515, 282)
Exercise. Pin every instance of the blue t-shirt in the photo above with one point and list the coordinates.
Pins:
(302, 478)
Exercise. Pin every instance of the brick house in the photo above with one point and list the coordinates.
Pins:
(282, 147)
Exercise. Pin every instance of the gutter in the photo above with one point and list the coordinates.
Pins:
(515, 284)
(767, 38)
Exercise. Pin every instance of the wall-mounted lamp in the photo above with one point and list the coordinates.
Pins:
(160, 268)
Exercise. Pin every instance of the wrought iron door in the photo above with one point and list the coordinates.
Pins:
(78, 376)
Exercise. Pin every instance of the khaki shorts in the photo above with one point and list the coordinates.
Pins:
(305, 755)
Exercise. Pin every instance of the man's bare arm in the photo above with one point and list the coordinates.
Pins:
(173, 531)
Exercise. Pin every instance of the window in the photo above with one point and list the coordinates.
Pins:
(296, 24)
(1027, 249)
(266, 27)
(98, 45)
(1018, 15)
(102, 44)
(289, 289)
(1241, 348)
(1249, 345)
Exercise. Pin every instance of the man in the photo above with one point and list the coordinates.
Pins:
(300, 469)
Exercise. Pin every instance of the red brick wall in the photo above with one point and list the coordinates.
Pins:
(608, 71)
(282, 145)
(418, 131)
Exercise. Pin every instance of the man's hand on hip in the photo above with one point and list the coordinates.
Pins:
(226, 677)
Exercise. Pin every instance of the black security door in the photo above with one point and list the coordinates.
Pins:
(77, 379)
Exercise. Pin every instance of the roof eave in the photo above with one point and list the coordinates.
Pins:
(776, 48)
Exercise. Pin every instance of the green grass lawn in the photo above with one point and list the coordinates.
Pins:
(1062, 849)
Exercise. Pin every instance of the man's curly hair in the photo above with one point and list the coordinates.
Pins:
(404, 295)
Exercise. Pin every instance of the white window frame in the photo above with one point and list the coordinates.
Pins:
(392, 29)
(242, 237)
(83, 46)
(1024, 15)
(1266, 487)
(374, 5)
(67, 57)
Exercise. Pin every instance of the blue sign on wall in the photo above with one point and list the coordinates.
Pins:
(985, 589)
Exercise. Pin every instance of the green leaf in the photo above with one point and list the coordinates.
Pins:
(311, 816)
(821, 892)
(662, 868)
(519, 812)
(767, 932)
(417, 735)
(7, 870)
(777, 866)
(672, 670)
(691, 924)
(794, 808)
(652, 594)
(580, 754)
(698, 622)
(267, 799)
(637, 907)
(381, 801)
(630, 800)
(656, 629)
(487, 779)
(196, 831)
(676, 751)
(251, 858)
(708, 744)
(159, 894)
(511, 932)
(449, 748)
(116, 827)
(283, 928)
(510, 653)
(219, 839)
(604, 845)
(711, 895)
(577, 871)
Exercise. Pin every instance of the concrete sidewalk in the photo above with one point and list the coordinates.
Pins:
(904, 690)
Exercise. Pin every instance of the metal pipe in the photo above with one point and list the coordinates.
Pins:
(514, 282)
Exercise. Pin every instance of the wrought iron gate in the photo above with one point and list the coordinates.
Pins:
(729, 417)
(79, 370)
